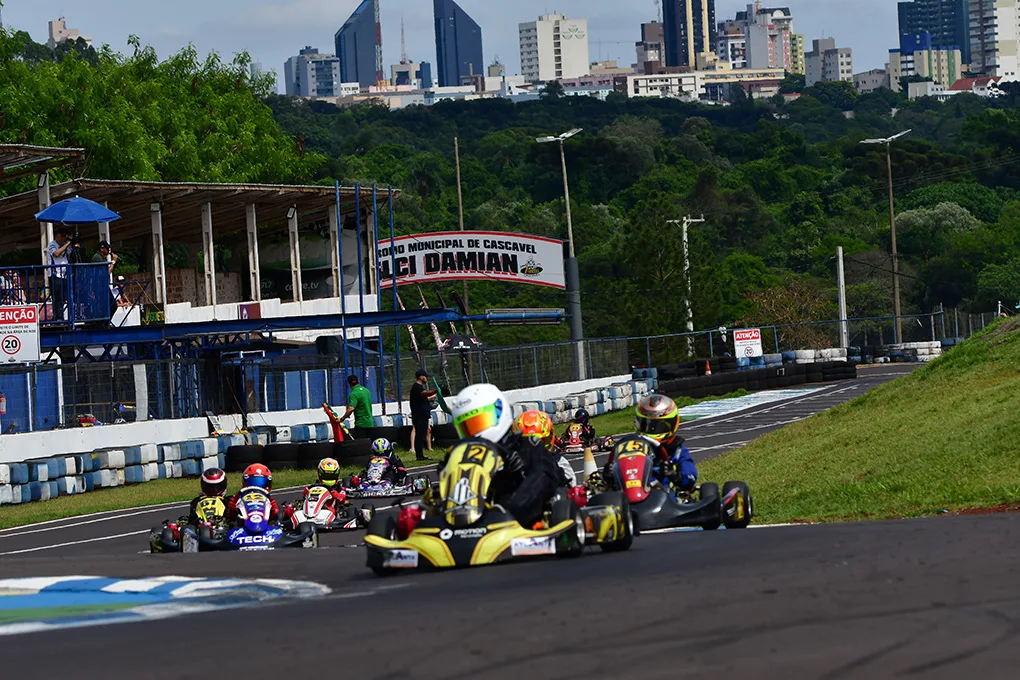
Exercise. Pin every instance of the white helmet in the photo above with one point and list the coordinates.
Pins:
(482, 411)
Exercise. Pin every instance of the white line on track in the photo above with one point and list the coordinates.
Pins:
(69, 543)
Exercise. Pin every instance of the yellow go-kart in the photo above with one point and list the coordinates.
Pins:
(462, 528)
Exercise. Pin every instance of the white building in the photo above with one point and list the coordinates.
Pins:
(758, 38)
(826, 62)
(311, 74)
(995, 37)
(59, 32)
(872, 80)
(554, 47)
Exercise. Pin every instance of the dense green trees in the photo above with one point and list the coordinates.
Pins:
(780, 184)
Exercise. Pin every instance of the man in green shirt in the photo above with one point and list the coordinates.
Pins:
(359, 402)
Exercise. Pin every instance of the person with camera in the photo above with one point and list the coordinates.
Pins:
(105, 255)
(59, 251)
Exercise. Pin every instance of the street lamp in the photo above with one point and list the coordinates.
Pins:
(573, 278)
(892, 228)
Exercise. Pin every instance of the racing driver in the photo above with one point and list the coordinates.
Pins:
(658, 418)
(537, 425)
(257, 475)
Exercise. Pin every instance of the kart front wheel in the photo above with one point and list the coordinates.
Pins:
(570, 543)
(738, 512)
(626, 538)
(710, 491)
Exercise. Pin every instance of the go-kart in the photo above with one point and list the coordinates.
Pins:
(371, 483)
(210, 512)
(461, 527)
(324, 511)
(659, 505)
(573, 441)
(251, 530)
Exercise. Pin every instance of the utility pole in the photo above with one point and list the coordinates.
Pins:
(892, 228)
(844, 329)
(460, 204)
(573, 278)
(688, 313)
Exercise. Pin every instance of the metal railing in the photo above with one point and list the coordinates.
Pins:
(66, 294)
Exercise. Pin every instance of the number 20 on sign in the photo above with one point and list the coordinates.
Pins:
(19, 334)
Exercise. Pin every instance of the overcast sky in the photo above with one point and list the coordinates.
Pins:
(273, 30)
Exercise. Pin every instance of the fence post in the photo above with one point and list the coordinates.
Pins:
(956, 318)
(932, 319)
(775, 336)
(534, 362)
(711, 351)
(648, 352)
(588, 346)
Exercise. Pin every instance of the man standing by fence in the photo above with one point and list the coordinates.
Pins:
(359, 402)
(421, 411)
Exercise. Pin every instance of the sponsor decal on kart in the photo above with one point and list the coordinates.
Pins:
(538, 545)
(189, 541)
(633, 483)
(474, 532)
(401, 559)
(240, 538)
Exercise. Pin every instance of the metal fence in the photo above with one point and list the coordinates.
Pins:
(46, 396)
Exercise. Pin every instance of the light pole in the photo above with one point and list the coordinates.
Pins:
(892, 228)
(685, 223)
(573, 279)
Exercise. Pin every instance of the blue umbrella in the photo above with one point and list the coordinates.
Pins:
(77, 210)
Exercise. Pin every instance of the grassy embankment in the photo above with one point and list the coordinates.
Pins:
(174, 490)
(942, 438)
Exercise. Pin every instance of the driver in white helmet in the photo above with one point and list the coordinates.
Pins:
(530, 476)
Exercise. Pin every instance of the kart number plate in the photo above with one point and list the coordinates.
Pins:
(540, 545)
(401, 559)
(633, 483)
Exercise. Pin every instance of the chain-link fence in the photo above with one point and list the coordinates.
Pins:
(46, 396)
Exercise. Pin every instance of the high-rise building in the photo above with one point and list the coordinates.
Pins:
(945, 20)
(758, 38)
(417, 75)
(689, 30)
(59, 32)
(553, 48)
(826, 62)
(311, 74)
(917, 56)
(458, 44)
(359, 46)
(649, 50)
(994, 40)
(797, 54)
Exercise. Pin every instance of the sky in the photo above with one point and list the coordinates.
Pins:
(273, 30)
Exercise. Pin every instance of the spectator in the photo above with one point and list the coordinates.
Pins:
(57, 251)
(359, 402)
(421, 411)
(105, 254)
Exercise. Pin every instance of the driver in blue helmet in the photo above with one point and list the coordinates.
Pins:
(396, 473)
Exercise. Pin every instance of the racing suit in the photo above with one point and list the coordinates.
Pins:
(274, 512)
(587, 436)
(193, 508)
(528, 480)
(395, 474)
(568, 477)
(675, 464)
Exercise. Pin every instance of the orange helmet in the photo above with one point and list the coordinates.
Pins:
(535, 424)
(258, 475)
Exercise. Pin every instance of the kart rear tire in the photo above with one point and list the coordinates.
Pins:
(745, 500)
(620, 500)
(570, 544)
(383, 526)
(711, 490)
(166, 537)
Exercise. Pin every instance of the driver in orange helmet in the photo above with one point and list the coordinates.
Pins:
(537, 426)
(255, 475)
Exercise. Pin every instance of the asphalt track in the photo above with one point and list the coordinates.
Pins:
(922, 598)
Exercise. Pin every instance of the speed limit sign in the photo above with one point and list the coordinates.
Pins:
(19, 334)
(10, 345)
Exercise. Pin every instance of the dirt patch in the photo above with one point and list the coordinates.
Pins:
(988, 510)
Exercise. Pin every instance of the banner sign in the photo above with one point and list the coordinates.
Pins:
(475, 256)
(747, 343)
(19, 334)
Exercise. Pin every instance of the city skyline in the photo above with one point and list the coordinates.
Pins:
(274, 30)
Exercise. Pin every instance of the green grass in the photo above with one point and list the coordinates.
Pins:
(179, 490)
(154, 493)
(940, 438)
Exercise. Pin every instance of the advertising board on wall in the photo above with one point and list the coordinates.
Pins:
(19, 334)
(473, 255)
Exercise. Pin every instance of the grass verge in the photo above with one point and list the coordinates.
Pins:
(941, 438)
